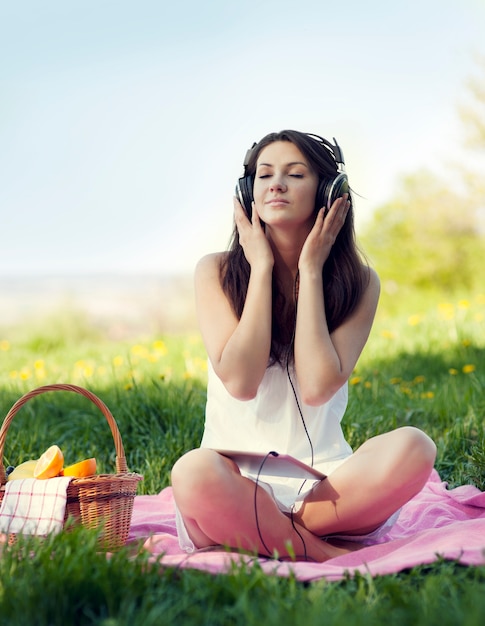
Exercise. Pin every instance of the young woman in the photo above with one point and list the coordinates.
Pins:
(284, 315)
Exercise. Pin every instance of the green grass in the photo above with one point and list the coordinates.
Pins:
(424, 368)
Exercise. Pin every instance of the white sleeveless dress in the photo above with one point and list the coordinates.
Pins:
(272, 421)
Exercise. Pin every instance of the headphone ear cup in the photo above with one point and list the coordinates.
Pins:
(328, 191)
(244, 192)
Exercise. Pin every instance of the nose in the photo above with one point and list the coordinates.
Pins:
(277, 185)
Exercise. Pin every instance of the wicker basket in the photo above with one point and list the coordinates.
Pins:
(103, 501)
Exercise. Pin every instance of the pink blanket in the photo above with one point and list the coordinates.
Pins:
(436, 523)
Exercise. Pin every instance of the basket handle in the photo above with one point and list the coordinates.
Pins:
(121, 465)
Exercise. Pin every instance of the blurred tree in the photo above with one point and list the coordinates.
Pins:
(429, 236)
(426, 237)
(472, 113)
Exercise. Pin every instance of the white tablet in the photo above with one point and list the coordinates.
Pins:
(272, 464)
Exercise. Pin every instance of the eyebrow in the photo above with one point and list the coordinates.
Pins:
(287, 164)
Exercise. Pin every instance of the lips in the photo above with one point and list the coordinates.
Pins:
(275, 201)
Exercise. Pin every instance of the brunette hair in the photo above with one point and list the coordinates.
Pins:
(344, 274)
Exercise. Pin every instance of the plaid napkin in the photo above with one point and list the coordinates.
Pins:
(34, 507)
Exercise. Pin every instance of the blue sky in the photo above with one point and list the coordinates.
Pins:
(123, 125)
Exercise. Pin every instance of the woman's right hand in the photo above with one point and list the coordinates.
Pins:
(252, 237)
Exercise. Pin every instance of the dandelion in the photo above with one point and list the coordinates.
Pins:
(4, 345)
(388, 334)
(88, 371)
(446, 311)
(415, 320)
(25, 373)
(39, 367)
(159, 346)
(395, 381)
(468, 369)
(463, 304)
(453, 371)
(466, 343)
(368, 384)
(118, 361)
(419, 379)
(355, 380)
(139, 350)
(427, 395)
(13, 374)
(201, 364)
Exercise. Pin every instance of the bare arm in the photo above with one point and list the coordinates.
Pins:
(325, 361)
(238, 349)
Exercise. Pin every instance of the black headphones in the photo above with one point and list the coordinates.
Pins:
(328, 189)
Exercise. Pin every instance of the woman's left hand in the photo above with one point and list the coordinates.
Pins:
(322, 236)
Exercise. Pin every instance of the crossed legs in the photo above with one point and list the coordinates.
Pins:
(218, 504)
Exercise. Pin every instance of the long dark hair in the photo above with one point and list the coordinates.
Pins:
(344, 274)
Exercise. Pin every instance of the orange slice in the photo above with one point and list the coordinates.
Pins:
(81, 469)
(50, 463)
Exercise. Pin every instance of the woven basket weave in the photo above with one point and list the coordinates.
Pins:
(102, 501)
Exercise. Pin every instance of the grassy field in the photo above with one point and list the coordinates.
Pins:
(425, 368)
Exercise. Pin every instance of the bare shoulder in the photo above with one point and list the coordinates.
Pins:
(374, 283)
(207, 270)
(372, 290)
(208, 265)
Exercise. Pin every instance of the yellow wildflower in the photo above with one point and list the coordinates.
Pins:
(139, 350)
(88, 371)
(25, 373)
(468, 369)
(414, 320)
(446, 310)
(159, 346)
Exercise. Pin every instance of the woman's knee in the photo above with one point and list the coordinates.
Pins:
(191, 467)
(419, 446)
(405, 456)
(197, 474)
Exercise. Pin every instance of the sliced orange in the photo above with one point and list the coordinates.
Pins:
(81, 469)
(50, 463)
